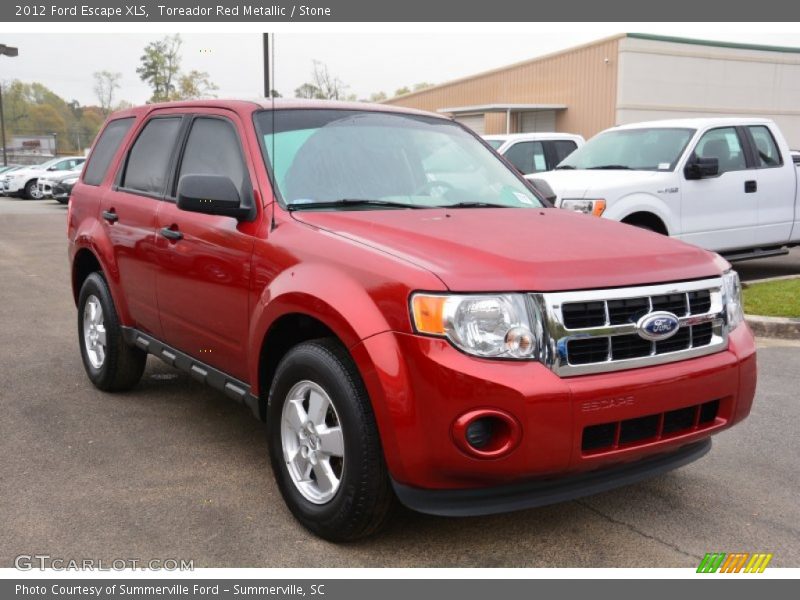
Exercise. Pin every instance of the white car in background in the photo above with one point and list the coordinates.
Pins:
(535, 152)
(47, 182)
(23, 182)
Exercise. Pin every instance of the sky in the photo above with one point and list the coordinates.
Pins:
(367, 63)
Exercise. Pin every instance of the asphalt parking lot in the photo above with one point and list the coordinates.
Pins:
(173, 469)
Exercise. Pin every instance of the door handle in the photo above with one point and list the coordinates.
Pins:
(110, 216)
(171, 234)
(750, 186)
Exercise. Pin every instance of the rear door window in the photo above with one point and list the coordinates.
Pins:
(766, 150)
(148, 160)
(105, 149)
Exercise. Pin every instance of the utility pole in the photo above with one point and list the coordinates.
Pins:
(11, 52)
(267, 86)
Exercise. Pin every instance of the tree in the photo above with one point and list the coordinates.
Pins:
(161, 63)
(423, 85)
(106, 84)
(308, 90)
(377, 97)
(34, 109)
(193, 86)
(323, 85)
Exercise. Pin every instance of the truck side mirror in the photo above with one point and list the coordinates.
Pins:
(700, 168)
(214, 195)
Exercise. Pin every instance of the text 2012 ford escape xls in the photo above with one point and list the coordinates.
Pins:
(409, 318)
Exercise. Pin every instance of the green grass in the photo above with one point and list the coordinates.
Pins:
(773, 298)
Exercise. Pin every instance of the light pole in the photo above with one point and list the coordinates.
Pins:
(11, 52)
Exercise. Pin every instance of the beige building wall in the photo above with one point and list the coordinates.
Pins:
(707, 81)
(583, 78)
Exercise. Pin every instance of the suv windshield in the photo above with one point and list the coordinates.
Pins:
(359, 160)
(645, 149)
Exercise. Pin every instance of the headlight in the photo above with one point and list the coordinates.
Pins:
(732, 296)
(490, 326)
(594, 207)
(70, 181)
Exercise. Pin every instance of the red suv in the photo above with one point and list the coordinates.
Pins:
(405, 312)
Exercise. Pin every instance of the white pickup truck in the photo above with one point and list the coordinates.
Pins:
(726, 184)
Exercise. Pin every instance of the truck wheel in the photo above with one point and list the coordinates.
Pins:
(31, 191)
(324, 445)
(111, 364)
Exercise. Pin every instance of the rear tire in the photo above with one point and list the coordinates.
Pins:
(111, 364)
(337, 486)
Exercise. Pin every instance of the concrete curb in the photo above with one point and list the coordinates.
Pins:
(768, 279)
(774, 327)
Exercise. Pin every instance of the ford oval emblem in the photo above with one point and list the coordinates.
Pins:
(656, 326)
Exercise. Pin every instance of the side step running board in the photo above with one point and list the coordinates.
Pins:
(230, 386)
(752, 254)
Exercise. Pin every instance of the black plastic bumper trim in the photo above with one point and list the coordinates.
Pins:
(508, 498)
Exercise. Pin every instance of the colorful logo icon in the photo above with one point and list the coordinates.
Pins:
(736, 562)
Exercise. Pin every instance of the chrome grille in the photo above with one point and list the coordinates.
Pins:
(595, 331)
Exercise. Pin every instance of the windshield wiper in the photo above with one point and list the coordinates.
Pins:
(472, 205)
(349, 202)
(560, 167)
(611, 167)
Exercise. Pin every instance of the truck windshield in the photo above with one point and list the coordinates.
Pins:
(366, 160)
(645, 149)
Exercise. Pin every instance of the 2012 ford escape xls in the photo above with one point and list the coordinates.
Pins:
(407, 315)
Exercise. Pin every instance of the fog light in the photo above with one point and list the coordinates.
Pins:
(486, 433)
(479, 433)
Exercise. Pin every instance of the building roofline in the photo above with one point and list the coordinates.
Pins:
(521, 63)
(640, 36)
(712, 43)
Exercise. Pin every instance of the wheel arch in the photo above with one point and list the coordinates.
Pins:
(647, 219)
(285, 332)
(84, 264)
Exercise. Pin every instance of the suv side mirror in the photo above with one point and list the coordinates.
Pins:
(700, 168)
(213, 195)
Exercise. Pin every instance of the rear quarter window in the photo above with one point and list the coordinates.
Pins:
(105, 149)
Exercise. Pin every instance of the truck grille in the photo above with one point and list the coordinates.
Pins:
(595, 331)
(640, 430)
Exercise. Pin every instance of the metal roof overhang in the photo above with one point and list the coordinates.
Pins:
(504, 108)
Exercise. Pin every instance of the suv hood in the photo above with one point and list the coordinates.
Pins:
(577, 184)
(520, 249)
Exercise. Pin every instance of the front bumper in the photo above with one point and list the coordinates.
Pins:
(12, 187)
(508, 498)
(420, 386)
(61, 191)
(45, 187)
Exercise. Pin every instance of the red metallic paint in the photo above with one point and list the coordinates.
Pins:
(504, 439)
(355, 271)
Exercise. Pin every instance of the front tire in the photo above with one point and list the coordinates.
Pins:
(111, 364)
(324, 444)
(31, 191)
